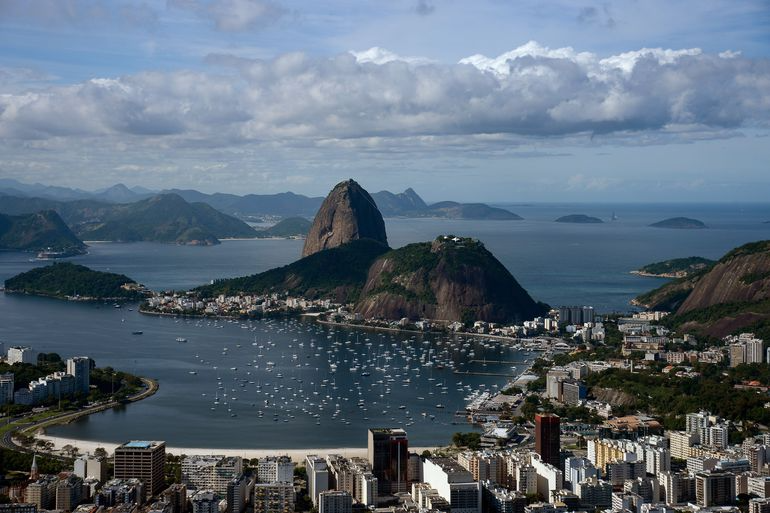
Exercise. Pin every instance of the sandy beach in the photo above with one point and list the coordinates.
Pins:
(297, 455)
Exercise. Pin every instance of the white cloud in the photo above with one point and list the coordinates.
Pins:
(234, 15)
(294, 99)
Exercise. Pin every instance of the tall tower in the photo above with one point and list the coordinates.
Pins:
(547, 438)
(388, 452)
(142, 460)
(80, 367)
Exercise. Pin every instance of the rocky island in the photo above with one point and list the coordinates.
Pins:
(675, 268)
(680, 223)
(579, 219)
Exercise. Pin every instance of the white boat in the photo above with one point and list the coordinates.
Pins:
(181, 339)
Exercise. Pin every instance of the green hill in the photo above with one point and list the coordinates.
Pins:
(338, 273)
(680, 223)
(289, 227)
(37, 231)
(67, 279)
(675, 268)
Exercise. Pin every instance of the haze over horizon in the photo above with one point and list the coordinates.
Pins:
(502, 102)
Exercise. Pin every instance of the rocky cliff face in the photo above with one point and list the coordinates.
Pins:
(449, 279)
(348, 213)
(741, 276)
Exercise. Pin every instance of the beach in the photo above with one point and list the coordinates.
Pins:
(297, 455)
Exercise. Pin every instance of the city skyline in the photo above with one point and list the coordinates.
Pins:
(554, 101)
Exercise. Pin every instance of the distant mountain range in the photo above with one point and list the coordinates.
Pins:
(285, 204)
(159, 218)
(37, 231)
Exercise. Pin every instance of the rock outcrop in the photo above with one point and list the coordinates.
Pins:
(348, 213)
(452, 279)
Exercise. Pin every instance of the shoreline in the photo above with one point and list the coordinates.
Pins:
(297, 455)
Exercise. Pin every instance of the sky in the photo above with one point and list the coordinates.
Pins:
(482, 100)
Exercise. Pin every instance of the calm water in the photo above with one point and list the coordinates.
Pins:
(557, 263)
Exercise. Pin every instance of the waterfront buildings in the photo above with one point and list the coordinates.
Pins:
(276, 468)
(317, 477)
(80, 368)
(210, 472)
(21, 354)
(143, 460)
(455, 484)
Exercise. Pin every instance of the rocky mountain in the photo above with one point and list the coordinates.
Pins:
(348, 213)
(680, 223)
(37, 231)
(392, 205)
(451, 278)
(579, 219)
(338, 273)
(733, 294)
(160, 218)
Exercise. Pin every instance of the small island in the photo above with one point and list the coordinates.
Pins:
(675, 268)
(579, 219)
(291, 227)
(76, 283)
(680, 223)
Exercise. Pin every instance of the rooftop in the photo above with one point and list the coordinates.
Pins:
(141, 444)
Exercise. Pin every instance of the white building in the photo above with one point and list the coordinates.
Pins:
(549, 478)
(22, 354)
(453, 483)
(273, 469)
(317, 476)
(205, 501)
(80, 367)
(210, 472)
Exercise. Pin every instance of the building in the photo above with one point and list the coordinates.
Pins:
(484, 466)
(335, 501)
(317, 477)
(272, 469)
(205, 501)
(239, 492)
(714, 489)
(547, 438)
(388, 452)
(86, 467)
(759, 486)
(176, 496)
(69, 493)
(211, 472)
(80, 368)
(143, 460)
(594, 492)
(755, 506)
(496, 499)
(455, 484)
(549, 477)
(21, 354)
(120, 491)
(42, 492)
(6, 387)
(22, 508)
(273, 497)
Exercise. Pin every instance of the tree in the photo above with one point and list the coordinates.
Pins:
(100, 452)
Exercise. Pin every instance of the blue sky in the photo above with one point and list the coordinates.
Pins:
(487, 100)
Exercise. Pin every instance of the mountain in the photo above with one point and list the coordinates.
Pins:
(289, 227)
(160, 218)
(479, 211)
(338, 273)
(451, 278)
(579, 219)
(67, 279)
(675, 268)
(37, 231)
(392, 205)
(732, 295)
(681, 223)
(348, 213)
(121, 194)
(284, 204)
(15, 188)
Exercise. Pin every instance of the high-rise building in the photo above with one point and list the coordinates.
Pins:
(69, 493)
(317, 477)
(453, 483)
(176, 496)
(142, 460)
(205, 501)
(6, 388)
(21, 354)
(42, 492)
(80, 367)
(273, 497)
(335, 501)
(547, 438)
(388, 452)
(714, 489)
(210, 472)
(239, 492)
(272, 469)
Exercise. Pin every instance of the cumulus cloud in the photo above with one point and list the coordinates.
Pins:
(532, 91)
(234, 15)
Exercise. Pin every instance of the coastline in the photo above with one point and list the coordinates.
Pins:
(297, 455)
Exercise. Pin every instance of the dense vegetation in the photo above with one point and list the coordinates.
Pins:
(333, 272)
(68, 279)
(37, 231)
(289, 227)
(685, 266)
(470, 440)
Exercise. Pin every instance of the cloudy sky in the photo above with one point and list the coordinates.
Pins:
(494, 100)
